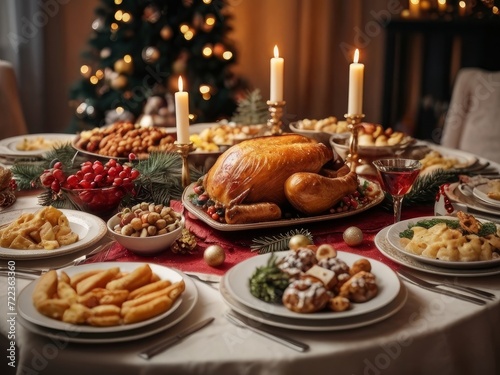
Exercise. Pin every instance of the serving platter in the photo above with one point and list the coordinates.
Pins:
(200, 214)
(74, 334)
(237, 283)
(90, 230)
(403, 259)
(9, 146)
(338, 324)
(393, 237)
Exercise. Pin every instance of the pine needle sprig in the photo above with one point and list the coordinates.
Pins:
(251, 110)
(280, 242)
(27, 175)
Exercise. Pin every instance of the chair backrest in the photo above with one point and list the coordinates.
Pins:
(12, 121)
(473, 120)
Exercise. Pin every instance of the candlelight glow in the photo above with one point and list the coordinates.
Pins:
(356, 56)
(276, 52)
(442, 2)
(462, 4)
(181, 87)
(415, 2)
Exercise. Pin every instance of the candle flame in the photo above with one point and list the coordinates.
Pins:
(180, 84)
(462, 4)
(356, 56)
(276, 52)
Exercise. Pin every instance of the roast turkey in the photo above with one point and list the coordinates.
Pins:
(249, 178)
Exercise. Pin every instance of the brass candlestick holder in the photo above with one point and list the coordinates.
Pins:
(353, 124)
(275, 122)
(183, 149)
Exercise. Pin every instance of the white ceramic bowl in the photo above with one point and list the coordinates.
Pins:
(145, 245)
(319, 136)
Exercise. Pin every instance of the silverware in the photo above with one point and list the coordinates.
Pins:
(33, 273)
(469, 289)
(433, 288)
(207, 281)
(287, 341)
(165, 344)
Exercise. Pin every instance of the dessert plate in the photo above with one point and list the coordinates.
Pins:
(200, 214)
(338, 324)
(403, 259)
(481, 193)
(189, 300)
(237, 283)
(394, 239)
(28, 311)
(90, 230)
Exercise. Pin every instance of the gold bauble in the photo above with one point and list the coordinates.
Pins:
(353, 236)
(214, 255)
(299, 240)
(166, 32)
(123, 67)
(119, 82)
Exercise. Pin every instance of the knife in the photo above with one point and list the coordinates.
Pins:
(291, 343)
(425, 285)
(163, 345)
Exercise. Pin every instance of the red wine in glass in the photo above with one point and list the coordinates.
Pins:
(397, 176)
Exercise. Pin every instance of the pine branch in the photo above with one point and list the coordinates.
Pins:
(251, 110)
(277, 243)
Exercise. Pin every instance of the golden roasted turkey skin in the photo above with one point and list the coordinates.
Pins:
(255, 170)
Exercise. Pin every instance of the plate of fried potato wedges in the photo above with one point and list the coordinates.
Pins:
(42, 232)
(108, 297)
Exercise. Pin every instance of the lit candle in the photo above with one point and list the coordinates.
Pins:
(277, 64)
(414, 8)
(356, 71)
(442, 5)
(182, 114)
(462, 8)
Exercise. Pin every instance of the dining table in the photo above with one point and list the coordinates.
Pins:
(424, 333)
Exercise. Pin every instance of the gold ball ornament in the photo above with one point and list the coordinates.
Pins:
(150, 55)
(353, 236)
(119, 83)
(214, 255)
(123, 67)
(166, 32)
(299, 240)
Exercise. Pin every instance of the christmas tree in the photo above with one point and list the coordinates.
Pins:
(137, 51)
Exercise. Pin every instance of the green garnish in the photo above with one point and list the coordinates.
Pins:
(269, 282)
(484, 230)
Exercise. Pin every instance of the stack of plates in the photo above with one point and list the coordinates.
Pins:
(42, 325)
(235, 291)
(387, 241)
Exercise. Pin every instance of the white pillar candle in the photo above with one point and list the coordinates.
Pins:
(182, 114)
(414, 8)
(356, 71)
(442, 5)
(277, 65)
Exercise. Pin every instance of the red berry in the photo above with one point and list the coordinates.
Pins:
(87, 169)
(134, 173)
(58, 165)
(98, 168)
(132, 156)
(55, 186)
(58, 174)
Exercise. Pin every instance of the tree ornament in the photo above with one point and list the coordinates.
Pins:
(151, 13)
(353, 236)
(299, 240)
(150, 55)
(166, 32)
(99, 24)
(214, 255)
(123, 67)
(119, 83)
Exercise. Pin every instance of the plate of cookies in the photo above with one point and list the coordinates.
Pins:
(311, 284)
(100, 298)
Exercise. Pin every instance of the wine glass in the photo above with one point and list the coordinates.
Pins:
(397, 175)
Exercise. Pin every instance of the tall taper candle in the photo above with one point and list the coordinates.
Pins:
(277, 64)
(356, 71)
(182, 114)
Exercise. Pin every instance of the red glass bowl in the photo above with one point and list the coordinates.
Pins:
(102, 202)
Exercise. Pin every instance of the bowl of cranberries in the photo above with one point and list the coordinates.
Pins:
(96, 188)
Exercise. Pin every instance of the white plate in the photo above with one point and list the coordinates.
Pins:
(189, 300)
(481, 193)
(28, 311)
(200, 214)
(402, 258)
(237, 283)
(8, 146)
(453, 193)
(90, 230)
(393, 238)
(317, 325)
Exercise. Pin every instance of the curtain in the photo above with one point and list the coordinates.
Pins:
(317, 39)
(22, 26)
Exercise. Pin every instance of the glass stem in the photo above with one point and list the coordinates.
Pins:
(398, 202)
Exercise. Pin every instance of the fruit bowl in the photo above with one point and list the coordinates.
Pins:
(102, 202)
(149, 245)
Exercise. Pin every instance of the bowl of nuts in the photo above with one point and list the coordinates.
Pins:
(146, 228)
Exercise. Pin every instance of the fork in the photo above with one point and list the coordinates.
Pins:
(474, 291)
(35, 272)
